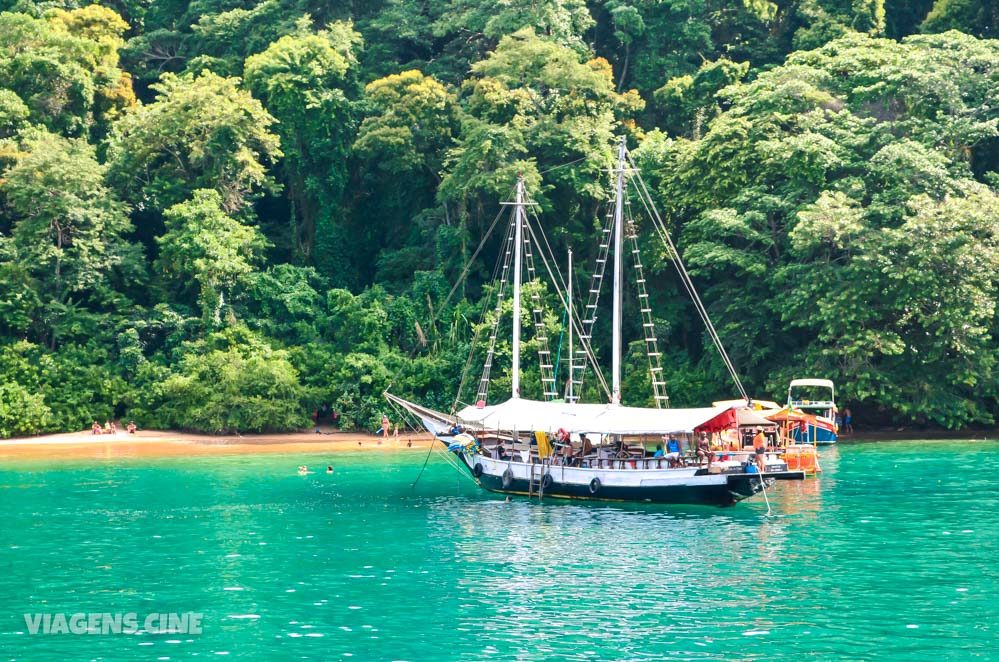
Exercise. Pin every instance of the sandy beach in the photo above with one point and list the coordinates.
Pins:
(167, 443)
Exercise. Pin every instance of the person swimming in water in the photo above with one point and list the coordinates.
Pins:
(329, 469)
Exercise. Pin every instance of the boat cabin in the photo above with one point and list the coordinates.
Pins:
(813, 396)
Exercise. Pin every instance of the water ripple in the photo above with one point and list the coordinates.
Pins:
(890, 554)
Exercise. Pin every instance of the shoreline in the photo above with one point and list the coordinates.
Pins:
(83, 445)
(170, 443)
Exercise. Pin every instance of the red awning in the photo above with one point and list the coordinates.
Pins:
(732, 418)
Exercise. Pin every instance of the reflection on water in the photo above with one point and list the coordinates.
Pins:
(890, 553)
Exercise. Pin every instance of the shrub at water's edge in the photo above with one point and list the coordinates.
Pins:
(230, 382)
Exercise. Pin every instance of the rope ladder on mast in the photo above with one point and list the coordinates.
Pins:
(540, 333)
(648, 325)
(487, 366)
(592, 299)
(537, 312)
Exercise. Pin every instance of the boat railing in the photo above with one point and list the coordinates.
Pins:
(812, 403)
(597, 460)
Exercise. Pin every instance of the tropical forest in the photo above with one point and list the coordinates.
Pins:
(224, 215)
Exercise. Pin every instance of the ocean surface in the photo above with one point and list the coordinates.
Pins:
(891, 554)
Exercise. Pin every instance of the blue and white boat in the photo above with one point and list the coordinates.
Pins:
(809, 397)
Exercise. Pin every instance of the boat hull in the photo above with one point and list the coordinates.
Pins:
(723, 493)
(696, 486)
(817, 434)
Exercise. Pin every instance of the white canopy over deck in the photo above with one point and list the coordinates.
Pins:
(824, 383)
(523, 415)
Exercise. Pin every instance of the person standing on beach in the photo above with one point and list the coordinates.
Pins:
(847, 421)
(385, 426)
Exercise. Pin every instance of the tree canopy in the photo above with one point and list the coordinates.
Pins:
(222, 216)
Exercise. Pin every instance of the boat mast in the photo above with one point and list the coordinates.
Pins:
(568, 311)
(518, 243)
(618, 273)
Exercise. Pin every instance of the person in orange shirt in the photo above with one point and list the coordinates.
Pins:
(760, 440)
(760, 446)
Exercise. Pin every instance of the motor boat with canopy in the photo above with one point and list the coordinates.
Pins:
(816, 398)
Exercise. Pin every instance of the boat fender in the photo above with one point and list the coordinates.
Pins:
(477, 469)
(507, 478)
(546, 481)
(594, 486)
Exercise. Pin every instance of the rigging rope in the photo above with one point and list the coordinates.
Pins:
(558, 351)
(685, 278)
(563, 165)
(454, 288)
(430, 450)
(560, 282)
(502, 264)
(587, 349)
(763, 486)
(652, 352)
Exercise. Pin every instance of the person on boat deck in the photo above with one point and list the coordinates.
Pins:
(760, 456)
(673, 451)
(499, 452)
(704, 449)
(659, 452)
(622, 448)
(760, 440)
(567, 453)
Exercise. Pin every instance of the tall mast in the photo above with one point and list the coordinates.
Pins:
(618, 272)
(568, 311)
(518, 244)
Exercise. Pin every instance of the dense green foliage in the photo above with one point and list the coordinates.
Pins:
(220, 216)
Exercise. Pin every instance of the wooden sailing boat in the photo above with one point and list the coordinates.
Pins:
(575, 450)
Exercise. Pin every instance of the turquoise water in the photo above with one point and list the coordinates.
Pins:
(891, 554)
